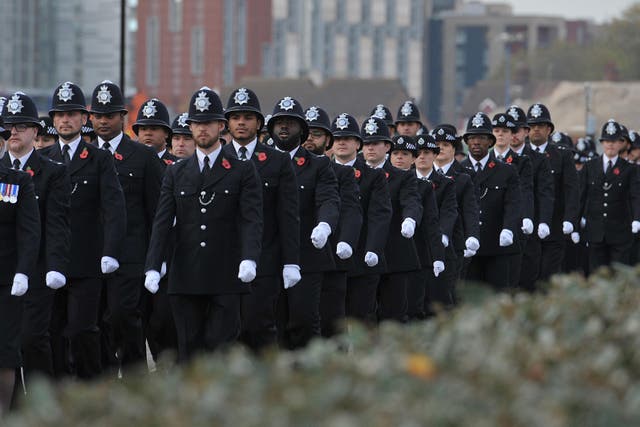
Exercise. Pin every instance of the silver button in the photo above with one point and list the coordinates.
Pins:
(182, 193)
(606, 183)
(604, 214)
(203, 227)
(203, 244)
(37, 197)
(606, 194)
(203, 193)
(302, 187)
(84, 182)
(480, 222)
(130, 173)
(266, 184)
(480, 212)
(203, 210)
(497, 187)
(226, 191)
(605, 205)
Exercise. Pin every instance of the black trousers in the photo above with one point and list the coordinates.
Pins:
(122, 319)
(491, 270)
(416, 294)
(361, 298)
(37, 356)
(75, 336)
(158, 325)
(205, 322)
(552, 258)
(259, 313)
(298, 313)
(333, 302)
(603, 253)
(515, 261)
(530, 265)
(441, 290)
(392, 297)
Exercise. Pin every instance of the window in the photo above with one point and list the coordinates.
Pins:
(378, 51)
(354, 51)
(197, 51)
(241, 33)
(175, 15)
(153, 51)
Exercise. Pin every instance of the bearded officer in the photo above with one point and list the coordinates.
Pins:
(280, 256)
(215, 201)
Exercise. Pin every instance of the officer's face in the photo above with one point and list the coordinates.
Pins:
(375, 152)
(424, 161)
(345, 147)
(317, 141)
(287, 129)
(243, 126)
(407, 128)
(108, 126)
(518, 137)
(43, 141)
(402, 159)
(22, 137)
(182, 146)
(539, 133)
(153, 136)
(68, 124)
(207, 134)
(612, 148)
(478, 145)
(503, 137)
(446, 154)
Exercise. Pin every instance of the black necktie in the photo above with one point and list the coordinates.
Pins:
(65, 154)
(537, 150)
(609, 166)
(16, 164)
(478, 167)
(106, 146)
(439, 171)
(500, 157)
(206, 167)
(243, 153)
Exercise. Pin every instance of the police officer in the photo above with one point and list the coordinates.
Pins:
(182, 143)
(280, 258)
(408, 120)
(53, 190)
(319, 210)
(610, 198)
(498, 192)
(383, 113)
(566, 203)
(140, 175)
(47, 134)
(98, 224)
(153, 129)
(216, 202)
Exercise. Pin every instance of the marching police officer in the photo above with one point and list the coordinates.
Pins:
(319, 210)
(610, 198)
(140, 175)
(498, 192)
(566, 203)
(408, 120)
(383, 113)
(53, 191)
(182, 143)
(98, 226)
(280, 256)
(216, 203)
(47, 134)
(153, 129)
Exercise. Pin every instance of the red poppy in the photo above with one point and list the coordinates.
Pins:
(491, 165)
(433, 184)
(386, 174)
(357, 173)
(117, 155)
(30, 171)
(616, 171)
(509, 160)
(226, 164)
(84, 154)
(168, 161)
(300, 161)
(262, 157)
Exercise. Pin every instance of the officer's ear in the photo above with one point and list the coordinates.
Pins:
(85, 117)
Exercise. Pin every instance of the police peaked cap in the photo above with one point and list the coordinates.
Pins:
(46, 127)
(427, 142)
(404, 143)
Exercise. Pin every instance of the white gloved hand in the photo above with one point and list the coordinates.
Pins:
(371, 259)
(468, 253)
(20, 285)
(320, 234)
(163, 269)
(445, 241)
(151, 280)
(575, 237)
(527, 226)
(583, 222)
(635, 227)
(472, 244)
(109, 265)
(438, 267)
(343, 250)
(55, 280)
(247, 271)
(506, 238)
(567, 227)
(290, 275)
(408, 228)
(543, 230)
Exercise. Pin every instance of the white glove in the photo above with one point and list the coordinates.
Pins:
(151, 280)
(567, 227)
(468, 253)
(163, 269)
(371, 259)
(472, 244)
(291, 275)
(109, 265)
(320, 234)
(445, 241)
(247, 271)
(506, 238)
(543, 230)
(55, 280)
(527, 226)
(583, 222)
(343, 250)
(20, 285)
(635, 227)
(408, 228)
(438, 267)
(575, 237)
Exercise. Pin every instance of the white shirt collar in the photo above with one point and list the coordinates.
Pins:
(113, 143)
(378, 166)
(23, 159)
(251, 147)
(482, 161)
(444, 168)
(212, 157)
(605, 160)
(349, 163)
(518, 151)
(293, 152)
(542, 148)
(73, 145)
(420, 176)
(160, 154)
(503, 153)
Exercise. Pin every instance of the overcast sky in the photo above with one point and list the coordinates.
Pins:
(598, 10)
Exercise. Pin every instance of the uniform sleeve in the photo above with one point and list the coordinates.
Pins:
(545, 192)
(112, 206)
(350, 221)
(288, 213)
(250, 213)
(583, 177)
(58, 228)
(448, 211)
(409, 198)
(470, 209)
(27, 226)
(154, 170)
(327, 197)
(512, 202)
(430, 225)
(162, 223)
(634, 190)
(379, 213)
(571, 190)
(526, 187)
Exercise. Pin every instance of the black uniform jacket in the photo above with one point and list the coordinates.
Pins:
(350, 220)
(218, 223)
(98, 214)
(525, 175)
(444, 188)
(428, 237)
(467, 224)
(543, 192)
